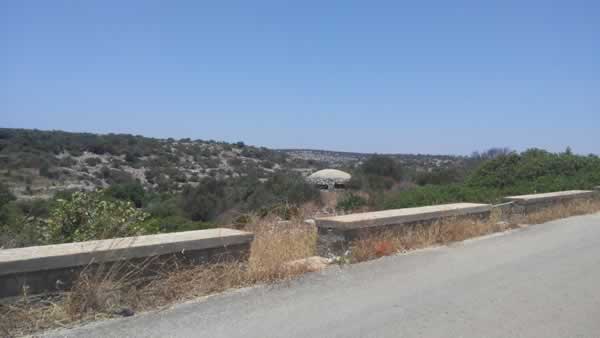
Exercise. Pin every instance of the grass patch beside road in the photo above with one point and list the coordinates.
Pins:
(574, 208)
(422, 236)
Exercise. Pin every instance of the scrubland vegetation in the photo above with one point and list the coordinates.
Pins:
(257, 203)
(174, 191)
(489, 180)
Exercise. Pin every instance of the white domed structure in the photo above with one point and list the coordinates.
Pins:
(329, 179)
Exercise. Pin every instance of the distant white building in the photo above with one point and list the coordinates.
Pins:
(329, 179)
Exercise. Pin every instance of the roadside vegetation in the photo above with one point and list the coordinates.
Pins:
(125, 289)
(266, 196)
(448, 231)
(129, 210)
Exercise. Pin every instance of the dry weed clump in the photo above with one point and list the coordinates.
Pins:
(277, 243)
(125, 288)
(418, 236)
(563, 210)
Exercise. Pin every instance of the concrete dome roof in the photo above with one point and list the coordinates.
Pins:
(329, 176)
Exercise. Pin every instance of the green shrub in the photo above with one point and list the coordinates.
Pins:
(88, 216)
(533, 171)
(384, 166)
(205, 201)
(18, 229)
(175, 223)
(439, 176)
(133, 192)
(350, 202)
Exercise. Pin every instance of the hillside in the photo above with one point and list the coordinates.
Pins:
(37, 163)
(419, 162)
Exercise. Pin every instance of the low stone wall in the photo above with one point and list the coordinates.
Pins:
(534, 202)
(53, 267)
(336, 233)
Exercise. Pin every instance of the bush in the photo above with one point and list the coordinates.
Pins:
(283, 188)
(533, 171)
(439, 176)
(205, 201)
(350, 202)
(18, 229)
(379, 165)
(67, 161)
(5, 195)
(176, 223)
(45, 171)
(133, 192)
(93, 161)
(537, 171)
(377, 173)
(438, 194)
(89, 216)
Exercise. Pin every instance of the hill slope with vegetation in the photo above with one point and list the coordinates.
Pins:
(38, 163)
(125, 185)
(59, 187)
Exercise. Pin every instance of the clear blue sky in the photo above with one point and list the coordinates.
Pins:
(373, 76)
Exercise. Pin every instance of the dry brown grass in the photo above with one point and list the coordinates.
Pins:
(454, 230)
(573, 208)
(276, 244)
(126, 288)
(423, 235)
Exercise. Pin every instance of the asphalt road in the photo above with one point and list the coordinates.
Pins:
(541, 281)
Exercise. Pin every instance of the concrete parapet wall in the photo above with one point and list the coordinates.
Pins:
(47, 268)
(336, 233)
(534, 202)
(550, 197)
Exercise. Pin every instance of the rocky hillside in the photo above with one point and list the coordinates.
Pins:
(36, 163)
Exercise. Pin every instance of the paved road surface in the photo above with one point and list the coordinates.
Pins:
(543, 281)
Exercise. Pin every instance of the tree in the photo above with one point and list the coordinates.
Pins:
(569, 151)
(205, 201)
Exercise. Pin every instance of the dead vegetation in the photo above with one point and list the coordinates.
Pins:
(419, 236)
(563, 210)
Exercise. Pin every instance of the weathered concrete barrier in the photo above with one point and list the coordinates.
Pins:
(533, 202)
(50, 267)
(335, 233)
